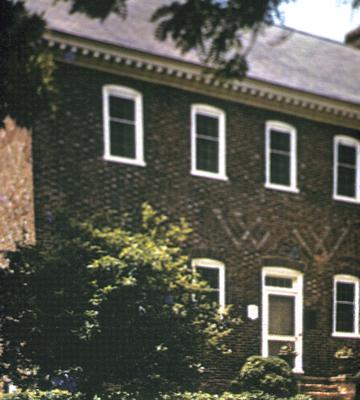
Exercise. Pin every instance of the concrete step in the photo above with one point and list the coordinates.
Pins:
(327, 395)
(318, 387)
(313, 379)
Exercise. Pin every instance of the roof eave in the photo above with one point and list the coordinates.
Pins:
(130, 62)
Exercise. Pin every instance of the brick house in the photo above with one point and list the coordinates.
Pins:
(266, 170)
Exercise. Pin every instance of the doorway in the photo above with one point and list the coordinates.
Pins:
(282, 313)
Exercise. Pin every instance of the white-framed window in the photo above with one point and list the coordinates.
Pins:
(280, 157)
(346, 169)
(346, 306)
(213, 272)
(123, 125)
(208, 158)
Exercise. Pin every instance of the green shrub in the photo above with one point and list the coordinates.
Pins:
(190, 396)
(55, 394)
(122, 395)
(258, 395)
(270, 375)
(254, 395)
(118, 395)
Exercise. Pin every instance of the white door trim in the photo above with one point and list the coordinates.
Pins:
(295, 291)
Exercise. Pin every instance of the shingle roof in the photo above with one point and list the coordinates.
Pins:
(299, 61)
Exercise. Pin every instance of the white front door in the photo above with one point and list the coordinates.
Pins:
(282, 313)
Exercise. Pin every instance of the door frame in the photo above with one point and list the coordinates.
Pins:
(297, 292)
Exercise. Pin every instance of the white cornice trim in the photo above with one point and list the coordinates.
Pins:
(184, 75)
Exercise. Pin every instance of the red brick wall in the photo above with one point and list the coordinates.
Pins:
(238, 222)
(16, 187)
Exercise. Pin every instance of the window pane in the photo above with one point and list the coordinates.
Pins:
(280, 141)
(208, 126)
(344, 317)
(280, 169)
(210, 275)
(207, 157)
(345, 291)
(212, 296)
(122, 108)
(281, 315)
(278, 282)
(346, 181)
(122, 139)
(347, 154)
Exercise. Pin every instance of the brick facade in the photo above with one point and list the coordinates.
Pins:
(16, 187)
(238, 221)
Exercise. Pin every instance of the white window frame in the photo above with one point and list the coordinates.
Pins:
(285, 128)
(297, 292)
(130, 94)
(355, 281)
(213, 112)
(213, 264)
(347, 141)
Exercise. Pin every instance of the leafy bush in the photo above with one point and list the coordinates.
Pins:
(270, 375)
(62, 311)
(254, 395)
(122, 395)
(191, 396)
(118, 395)
(55, 394)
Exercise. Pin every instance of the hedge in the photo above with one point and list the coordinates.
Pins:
(55, 394)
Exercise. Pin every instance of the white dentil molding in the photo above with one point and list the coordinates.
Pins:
(133, 63)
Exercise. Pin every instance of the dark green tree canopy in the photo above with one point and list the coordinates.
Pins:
(121, 307)
(26, 67)
(214, 28)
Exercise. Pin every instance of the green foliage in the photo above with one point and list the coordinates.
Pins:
(98, 9)
(115, 304)
(123, 395)
(254, 395)
(26, 67)
(270, 375)
(41, 395)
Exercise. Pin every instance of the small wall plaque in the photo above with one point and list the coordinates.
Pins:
(252, 311)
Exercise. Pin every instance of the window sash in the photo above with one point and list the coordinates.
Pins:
(211, 290)
(345, 317)
(122, 139)
(208, 158)
(123, 128)
(207, 155)
(346, 169)
(216, 286)
(280, 157)
(346, 306)
(280, 168)
(280, 162)
(207, 148)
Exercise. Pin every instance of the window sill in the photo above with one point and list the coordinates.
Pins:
(346, 199)
(281, 188)
(346, 335)
(123, 160)
(210, 175)
(299, 371)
